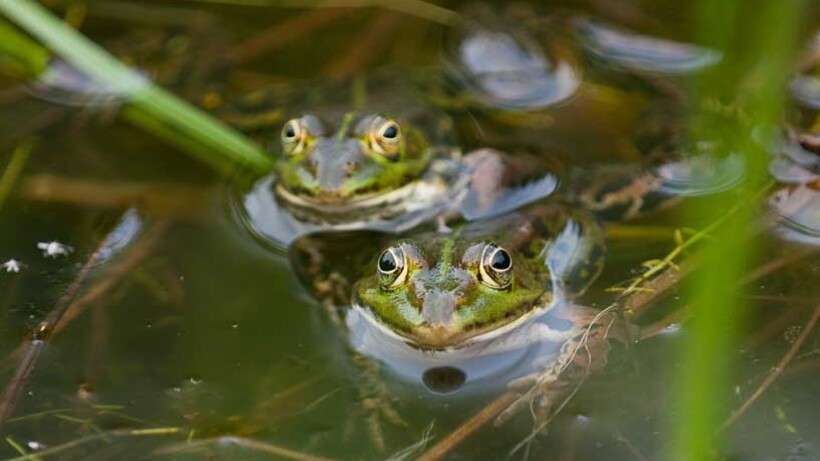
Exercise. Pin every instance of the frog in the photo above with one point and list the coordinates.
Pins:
(386, 162)
(489, 305)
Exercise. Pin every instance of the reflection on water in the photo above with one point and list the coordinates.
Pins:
(191, 338)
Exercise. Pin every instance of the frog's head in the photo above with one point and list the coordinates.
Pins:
(438, 294)
(365, 155)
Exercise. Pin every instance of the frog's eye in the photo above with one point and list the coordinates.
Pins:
(495, 269)
(294, 135)
(385, 137)
(392, 267)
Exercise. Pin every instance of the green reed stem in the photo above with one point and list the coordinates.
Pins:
(758, 50)
(220, 143)
(23, 57)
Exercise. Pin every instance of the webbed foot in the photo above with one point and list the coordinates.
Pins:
(377, 403)
(441, 225)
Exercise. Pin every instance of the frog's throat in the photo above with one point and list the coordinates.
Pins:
(544, 303)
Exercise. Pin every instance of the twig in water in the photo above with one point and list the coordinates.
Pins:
(19, 448)
(243, 442)
(373, 40)
(283, 33)
(417, 8)
(99, 436)
(134, 257)
(154, 198)
(64, 310)
(631, 448)
(489, 412)
(775, 372)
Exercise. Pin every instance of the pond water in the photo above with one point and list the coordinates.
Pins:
(186, 332)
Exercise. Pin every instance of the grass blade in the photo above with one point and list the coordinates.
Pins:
(220, 142)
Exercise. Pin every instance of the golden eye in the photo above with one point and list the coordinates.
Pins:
(495, 269)
(294, 135)
(385, 137)
(392, 266)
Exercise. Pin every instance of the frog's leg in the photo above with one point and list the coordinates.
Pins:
(326, 263)
(376, 400)
(500, 183)
(620, 193)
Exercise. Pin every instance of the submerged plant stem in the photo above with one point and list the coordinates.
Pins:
(14, 168)
(282, 33)
(417, 8)
(440, 449)
(781, 365)
(252, 444)
(158, 431)
(64, 310)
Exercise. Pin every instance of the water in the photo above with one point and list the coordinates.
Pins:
(194, 322)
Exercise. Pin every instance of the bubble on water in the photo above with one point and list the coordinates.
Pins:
(34, 445)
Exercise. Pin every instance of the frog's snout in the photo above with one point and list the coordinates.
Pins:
(332, 163)
(438, 308)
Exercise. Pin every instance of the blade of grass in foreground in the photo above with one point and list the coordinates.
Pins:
(222, 147)
(758, 55)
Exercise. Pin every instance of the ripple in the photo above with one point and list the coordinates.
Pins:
(799, 209)
(700, 174)
(642, 52)
(62, 83)
(508, 69)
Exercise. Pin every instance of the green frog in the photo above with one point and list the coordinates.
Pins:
(473, 310)
(375, 156)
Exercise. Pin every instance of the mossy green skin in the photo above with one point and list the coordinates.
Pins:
(322, 165)
(445, 291)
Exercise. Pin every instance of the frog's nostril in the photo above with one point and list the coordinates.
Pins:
(351, 167)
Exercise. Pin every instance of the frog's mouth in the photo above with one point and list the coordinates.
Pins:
(411, 196)
(451, 337)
